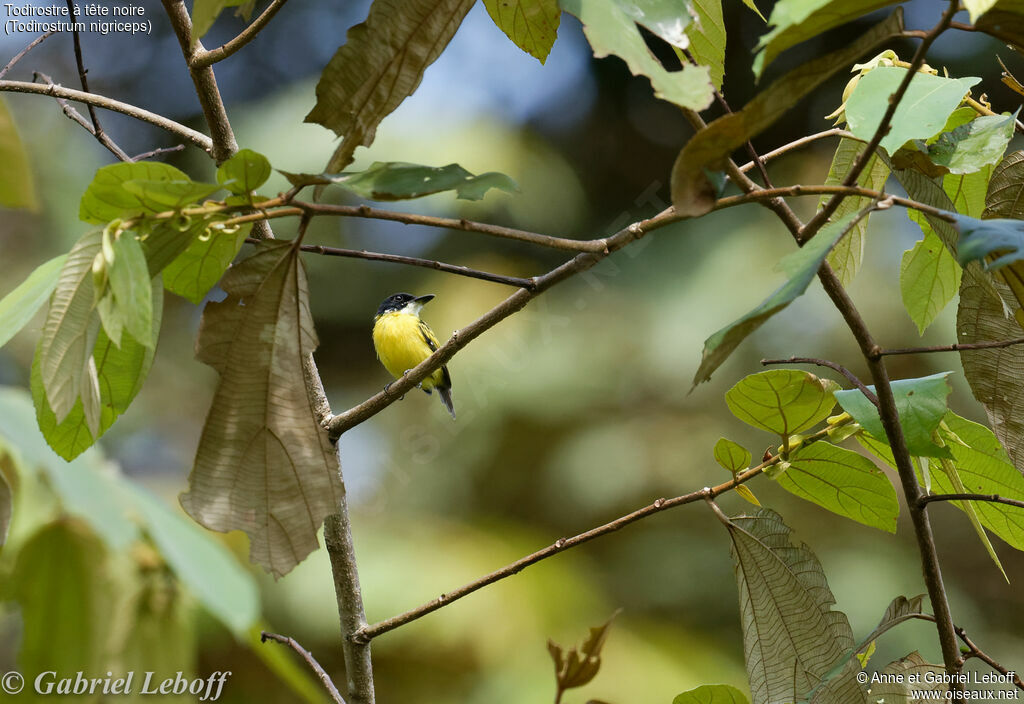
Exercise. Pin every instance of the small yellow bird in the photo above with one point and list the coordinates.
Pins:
(402, 341)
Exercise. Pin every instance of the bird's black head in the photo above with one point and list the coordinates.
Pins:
(399, 301)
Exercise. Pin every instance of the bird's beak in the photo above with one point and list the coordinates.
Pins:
(416, 304)
(423, 299)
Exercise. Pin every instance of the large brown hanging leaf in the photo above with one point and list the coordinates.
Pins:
(996, 376)
(792, 639)
(264, 463)
(380, 65)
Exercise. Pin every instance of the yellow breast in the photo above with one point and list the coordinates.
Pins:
(400, 345)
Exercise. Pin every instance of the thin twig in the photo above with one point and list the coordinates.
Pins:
(97, 130)
(76, 116)
(797, 143)
(955, 347)
(21, 54)
(157, 152)
(858, 191)
(310, 660)
(516, 281)
(821, 217)
(204, 58)
(977, 652)
(992, 498)
(868, 393)
(57, 91)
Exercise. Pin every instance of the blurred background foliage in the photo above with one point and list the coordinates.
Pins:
(571, 413)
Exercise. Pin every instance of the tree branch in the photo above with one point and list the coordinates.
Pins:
(76, 116)
(992, 498)
(977, 652)
(21, 54)
(414, 261)
(310, 660)
(821, 217)
(955, 347)
(868, 393)
(57, 91)
(797, 143)
(203, 58)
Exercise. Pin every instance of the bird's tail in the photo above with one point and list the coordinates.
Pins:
(446, 399)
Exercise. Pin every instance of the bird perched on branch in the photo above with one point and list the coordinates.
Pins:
(402, 341)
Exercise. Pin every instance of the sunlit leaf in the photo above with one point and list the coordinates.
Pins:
(843, 482)
(380, 64)
(792, 637)
(707, 38)
(198, 269)
(711, 694)
(782, 401)
(531, 24)
(692, 193)
(970, 147)
(18, 306)
(801, 266)
(793, 21)
(58, 581)
(929, 278)
(921, 403)
(611, 29)
(732, 456)
(394, 180)
(206, 567)
(264, 464)
(922, 112)
(846, 256)
(17, 187)
(244, 172)
(107, 198)
(120, 371)
(967, 191)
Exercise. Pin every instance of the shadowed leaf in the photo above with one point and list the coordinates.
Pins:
(380, 64)
(531, 24)
(198, 269)
(792, 638)
(264, 464)
(896, 687)
(244, 172)
(395, 180)
(691, 191)
(17, 188)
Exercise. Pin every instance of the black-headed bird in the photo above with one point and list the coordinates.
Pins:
(402, 341)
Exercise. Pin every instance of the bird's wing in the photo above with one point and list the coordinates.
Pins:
(433, 344)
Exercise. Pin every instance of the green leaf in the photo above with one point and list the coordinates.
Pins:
(531, 24)
(793, 21)
(921, 404)
(782, 401)
(379, 65)
(752, 6)
(264, 464)
(1003, 19)
(17, 188)
(120, 372)
(707, 38)
(166, 241)
(65, 346)
(929, 278)
(158, 195)
(87, 487)
(846, 256)
(967, 191)
(984, 468)
(711, 694)
(18, 306)
(801, 266)
(970, 147)
(843, 482)
(922, 112)
(59, 583)
(785, 602)
(200, 267)
(202, 564)
(108, 199)
(395, 180)
(244, 172)
(692, 192)
(744, 492)
(611, 29)
(731, 455)
(132, 289)
(667, 19)
(206, 12)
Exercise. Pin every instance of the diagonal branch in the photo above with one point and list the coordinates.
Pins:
(203, 58)
(796, 144)
(310, 660)
(76, 116)
(57, 91)
(868, 393)
(976, 652)
(21, 54)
